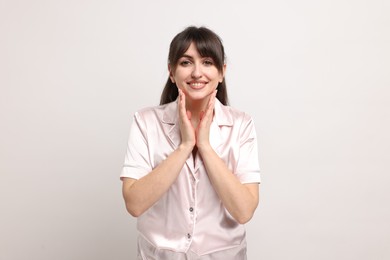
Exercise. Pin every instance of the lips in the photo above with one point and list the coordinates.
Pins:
(197, 84)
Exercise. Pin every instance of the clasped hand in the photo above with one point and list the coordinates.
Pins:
(198, 135)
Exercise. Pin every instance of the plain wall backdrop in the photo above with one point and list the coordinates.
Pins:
(313, 74)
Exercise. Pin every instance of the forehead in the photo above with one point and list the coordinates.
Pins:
(193, 51)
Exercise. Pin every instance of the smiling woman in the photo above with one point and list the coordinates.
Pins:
(205, 44)
(196, 76)
(191, 173)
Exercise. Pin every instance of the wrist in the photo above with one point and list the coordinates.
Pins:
(186, 147)
(204, 148)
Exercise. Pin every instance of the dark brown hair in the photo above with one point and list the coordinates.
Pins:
(208, 44)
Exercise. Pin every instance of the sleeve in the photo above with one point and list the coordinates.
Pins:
(248, 170)
(137, 163)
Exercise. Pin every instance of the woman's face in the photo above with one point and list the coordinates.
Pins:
(195, 75)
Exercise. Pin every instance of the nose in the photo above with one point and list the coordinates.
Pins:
(196, 71)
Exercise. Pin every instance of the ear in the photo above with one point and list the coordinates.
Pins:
(171, 73)
(222, 75)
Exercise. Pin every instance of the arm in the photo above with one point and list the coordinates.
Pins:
(141, 194)
(239, 199)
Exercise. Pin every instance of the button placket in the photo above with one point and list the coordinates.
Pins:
(192, 207)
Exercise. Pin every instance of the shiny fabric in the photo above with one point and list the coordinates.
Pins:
(147, 251)
(189, 221)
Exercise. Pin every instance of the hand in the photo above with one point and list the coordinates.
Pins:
(203, 130)
(186, 129)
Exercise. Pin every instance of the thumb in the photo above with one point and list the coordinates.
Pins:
(201, 115)
(189, 115)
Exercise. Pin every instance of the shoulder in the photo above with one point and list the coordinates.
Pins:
(227, 115)
(238, 114)
(155, 112)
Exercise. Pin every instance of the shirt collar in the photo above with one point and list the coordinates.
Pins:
(222, 115)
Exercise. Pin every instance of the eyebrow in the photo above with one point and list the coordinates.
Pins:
(187, 56)
(191, 57)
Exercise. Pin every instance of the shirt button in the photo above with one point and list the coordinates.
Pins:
(191, 209)
(189, 236)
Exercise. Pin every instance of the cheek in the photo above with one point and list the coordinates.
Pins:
(180, 75)
(215, 76)
(181, 83)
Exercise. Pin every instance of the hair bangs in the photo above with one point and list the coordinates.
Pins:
(208, 48)
(207, 43)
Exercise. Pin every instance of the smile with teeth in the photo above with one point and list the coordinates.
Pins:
(197, 84)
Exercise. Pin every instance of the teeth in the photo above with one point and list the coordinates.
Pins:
(196, 84)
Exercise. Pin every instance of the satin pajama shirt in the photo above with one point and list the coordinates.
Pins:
(189, 221)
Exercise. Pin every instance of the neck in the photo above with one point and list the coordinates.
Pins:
(196, 107)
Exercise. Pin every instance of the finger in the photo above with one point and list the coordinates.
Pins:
(189, 114)
(214, 95)
(212, 98)
(210, 106)
(201, 115)
(185, 115)
(206, 117)
(182, 103)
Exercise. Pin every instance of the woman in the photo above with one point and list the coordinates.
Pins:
(191, 173)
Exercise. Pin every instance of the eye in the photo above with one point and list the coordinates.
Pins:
(208, 62)
(185, 62)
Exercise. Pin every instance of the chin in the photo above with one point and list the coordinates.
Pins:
(197, 96)
(199, 93)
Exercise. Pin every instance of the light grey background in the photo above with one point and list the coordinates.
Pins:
(313, 74)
